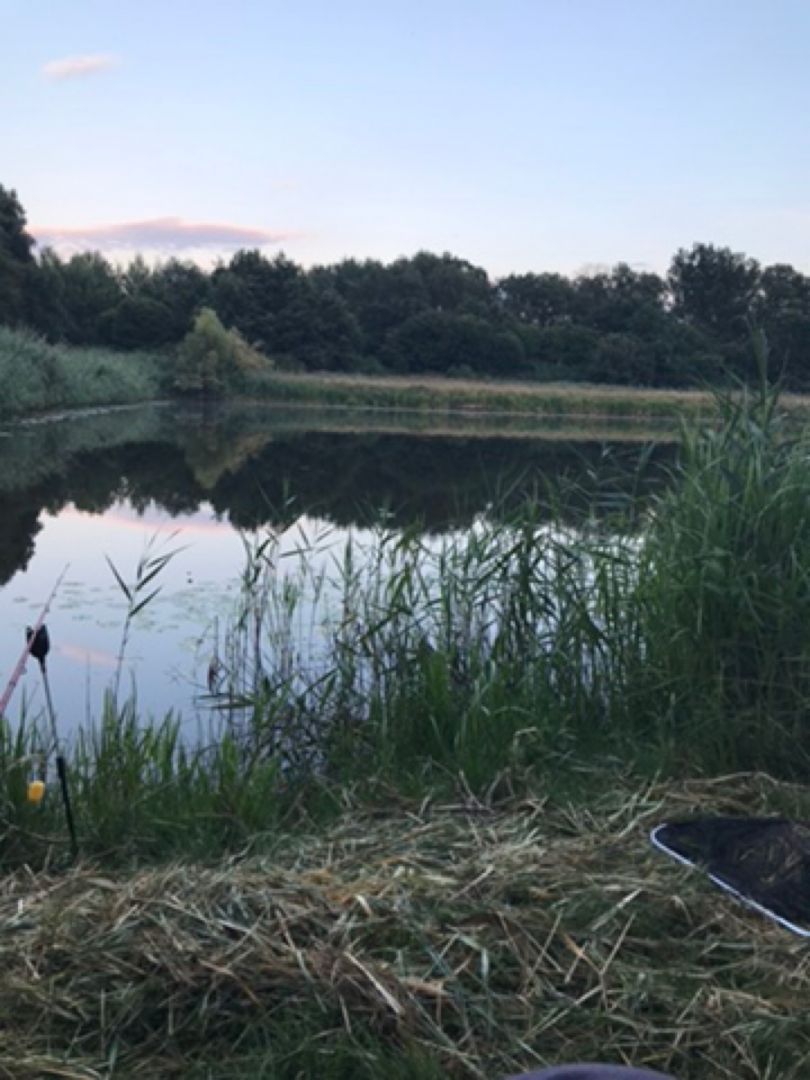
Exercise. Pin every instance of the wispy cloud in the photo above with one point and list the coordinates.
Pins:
(169, 233)
(76, 67)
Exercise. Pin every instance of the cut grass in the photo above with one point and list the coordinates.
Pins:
(466, 939)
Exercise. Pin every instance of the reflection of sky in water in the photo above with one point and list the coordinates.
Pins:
(170, 641)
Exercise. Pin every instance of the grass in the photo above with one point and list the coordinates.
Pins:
(510, 398)
(37, 377)
(472, 938)
(417, 842)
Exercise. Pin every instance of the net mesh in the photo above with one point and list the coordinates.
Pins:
(766, 860)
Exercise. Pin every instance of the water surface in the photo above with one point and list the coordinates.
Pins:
(204, 483)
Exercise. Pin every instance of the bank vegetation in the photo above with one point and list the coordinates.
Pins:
(418, 843)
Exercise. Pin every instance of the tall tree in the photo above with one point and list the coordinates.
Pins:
(783, 311)
(90, 288)
(442, 342)
(45, 304)
(380, 297)
(183, 288)
(714, 289)
(618, 302)
(16, 258)
(453, 284)
(136, 322)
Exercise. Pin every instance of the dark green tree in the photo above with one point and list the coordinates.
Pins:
(783, 311)
(90, 287)
(256, 296)
(181, 287)
(335, 337)
(537, 299)
(618, 302)
(16, 258)
(380, 297)
(298, 320)
(454, 285)
(137, 322)
(444, 343)
(565, 351)
(136, 277)
(714, 289)
(45, 302)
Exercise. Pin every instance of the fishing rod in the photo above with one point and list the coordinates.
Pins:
(38, 644)
(20, 666)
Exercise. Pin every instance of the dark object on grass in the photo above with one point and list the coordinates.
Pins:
(592, 1072)
(765, 862)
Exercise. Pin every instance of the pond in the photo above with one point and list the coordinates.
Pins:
(109, 488)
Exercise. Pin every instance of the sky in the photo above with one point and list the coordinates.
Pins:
(523, 135)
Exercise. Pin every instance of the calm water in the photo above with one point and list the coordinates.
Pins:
(203, 483)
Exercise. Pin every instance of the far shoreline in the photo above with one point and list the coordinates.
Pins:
(428, 395)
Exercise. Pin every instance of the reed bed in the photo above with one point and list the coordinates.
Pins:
(470, 938)
(508, 397)
(37, 377)
(673, 633)
(442, 395)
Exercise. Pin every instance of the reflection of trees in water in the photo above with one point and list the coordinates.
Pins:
(20, 525)
(93, 481)
(257, 478)
(439, 482)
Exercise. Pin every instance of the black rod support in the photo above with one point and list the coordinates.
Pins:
(61, 769)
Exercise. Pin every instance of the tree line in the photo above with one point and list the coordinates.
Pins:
(427, 313)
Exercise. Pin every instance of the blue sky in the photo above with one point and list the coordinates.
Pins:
(519, 134)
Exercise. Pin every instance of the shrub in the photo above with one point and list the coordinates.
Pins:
(212, 360)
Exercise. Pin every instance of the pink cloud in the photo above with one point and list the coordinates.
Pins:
(171, 233)
(76, 67)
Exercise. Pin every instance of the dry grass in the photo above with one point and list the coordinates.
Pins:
(438, 394)
(492, 386)
(481, 938)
